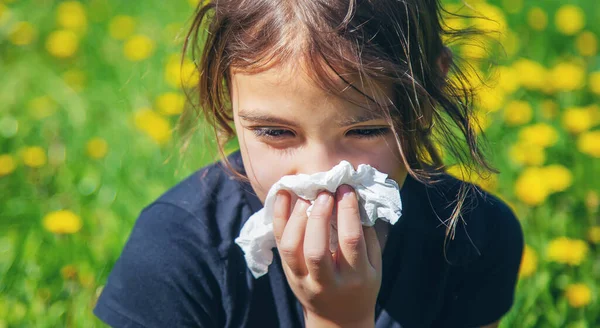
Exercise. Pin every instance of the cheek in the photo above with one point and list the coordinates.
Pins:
(263, 167)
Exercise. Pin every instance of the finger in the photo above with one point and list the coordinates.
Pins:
(292, 239)
(373, 248)
(352, 248)
(316, 241)
(281, 214)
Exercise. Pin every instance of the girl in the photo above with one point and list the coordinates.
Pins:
(305, 84)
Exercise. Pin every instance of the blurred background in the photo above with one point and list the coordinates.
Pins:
(90, 92)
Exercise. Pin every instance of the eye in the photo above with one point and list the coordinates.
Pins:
(368, 132)
(271, 133)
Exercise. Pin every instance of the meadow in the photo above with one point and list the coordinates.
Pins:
(90, 95)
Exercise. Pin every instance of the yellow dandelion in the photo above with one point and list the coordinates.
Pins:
(537, 18)
(527, 154)
(567, 251)
(62, 222)
(587, 44)
(34, 156)
(567, 77)
(62, 43)
(494, 21)
(75, 79)
(7, 164)
(578, 295)
(41, 107)
(508, 79)
(589, 143)
(170, 103)
(577, 119)
(594, 234)
(532, 74)
(22, 33)
(549, 109)
(154, 125)
(595, 82)
(71, 15)
(569, 19)
(181, 75)
(138, 47)
(121, 27)
(531, 187)
(518, 112)
(97, 148)
(490, 99)
(559, 178)
(528, 262)
(476, 48)
(540, 134)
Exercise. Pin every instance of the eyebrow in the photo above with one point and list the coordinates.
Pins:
(257, 117)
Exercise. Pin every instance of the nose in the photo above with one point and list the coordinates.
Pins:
(320, 157)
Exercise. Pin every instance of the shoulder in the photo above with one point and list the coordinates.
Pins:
(174, 268)
(483, 254)
(485, 225)
(214, 201)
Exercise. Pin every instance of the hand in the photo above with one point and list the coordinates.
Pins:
(335, 289)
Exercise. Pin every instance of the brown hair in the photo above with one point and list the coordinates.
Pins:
(392, 41)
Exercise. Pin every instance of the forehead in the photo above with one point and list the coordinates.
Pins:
(293, 83)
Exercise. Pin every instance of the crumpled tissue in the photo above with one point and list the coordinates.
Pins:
(378, 198)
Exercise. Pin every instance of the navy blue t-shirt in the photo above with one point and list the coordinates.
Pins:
(181, 268)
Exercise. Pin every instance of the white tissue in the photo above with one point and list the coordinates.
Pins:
(378, 198)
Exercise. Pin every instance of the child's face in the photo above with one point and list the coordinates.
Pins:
(287, 125)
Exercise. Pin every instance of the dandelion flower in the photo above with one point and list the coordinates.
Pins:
(567, 77)
(533, 75)
(577, 119)
(34, 156)
(138, 47)
(179, 74)
(518, 112)
(589, 143)
(527, 154)
(528, 262)
(71, 15)
(7, 164)
(154, 125)
(97, 148)
(540, 134)
(531, 187)
(559, 178)
(567, 251)
(62, 43)
(62, 222)
(595, 82)
(578, 295)
(170, 103)
(569, 19)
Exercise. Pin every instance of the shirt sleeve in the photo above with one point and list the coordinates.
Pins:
(165, 276)
(487, 286)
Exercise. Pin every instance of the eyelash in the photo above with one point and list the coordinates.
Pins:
(270, 133)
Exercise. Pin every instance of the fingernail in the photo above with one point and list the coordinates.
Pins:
(345, 191)
(323, 198)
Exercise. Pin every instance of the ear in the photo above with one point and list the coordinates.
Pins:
(444, 61)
